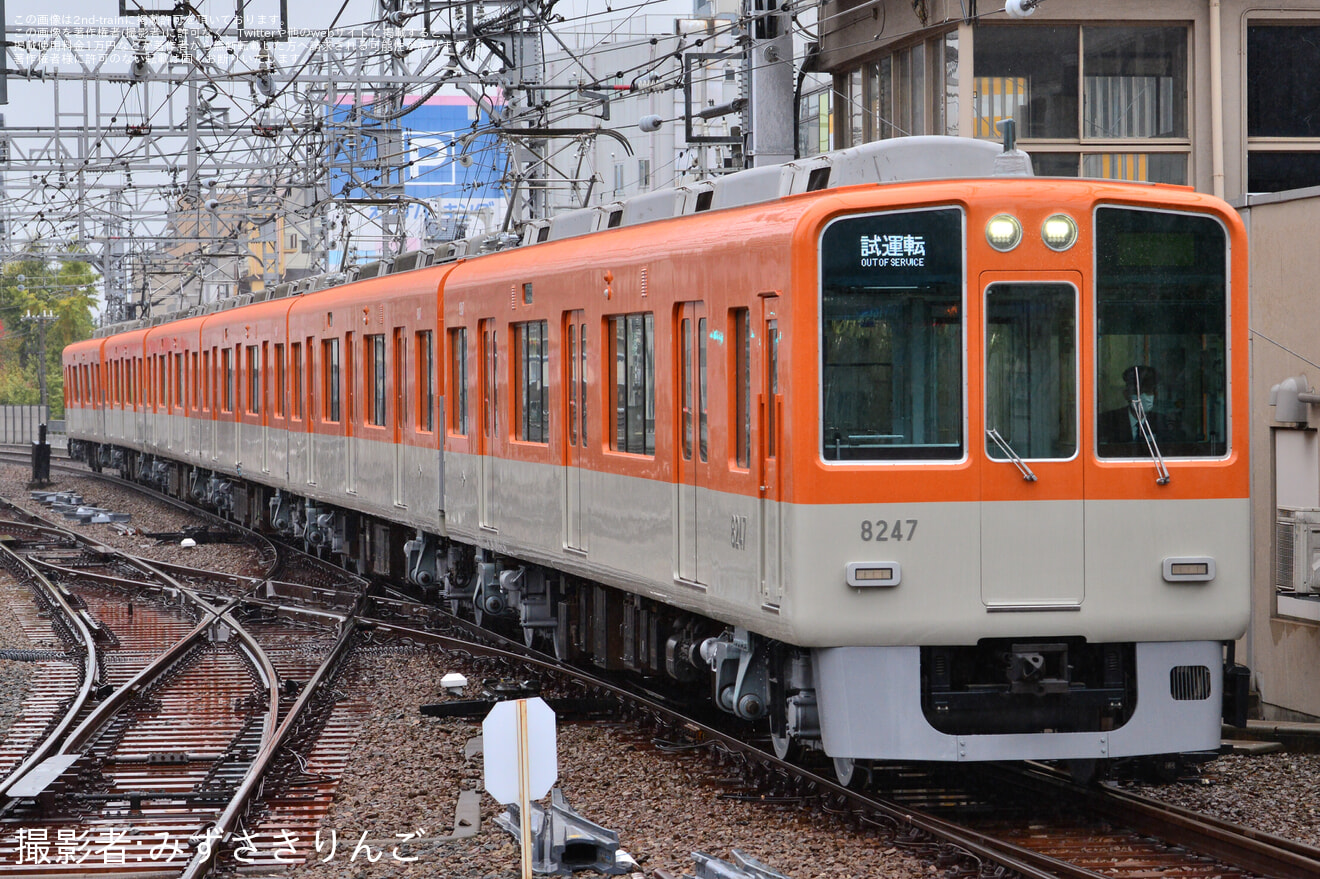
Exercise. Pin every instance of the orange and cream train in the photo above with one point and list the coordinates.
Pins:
(909, 453)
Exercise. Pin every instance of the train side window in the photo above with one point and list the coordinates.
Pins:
(632, 351)
(296, 379)
(532, 360)
(458, 381)
(253, 380)
(374, 353)
(742, 372)
(330, 377)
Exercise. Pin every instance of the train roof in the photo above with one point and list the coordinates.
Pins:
(904, 159)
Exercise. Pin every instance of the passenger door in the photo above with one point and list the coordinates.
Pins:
(488, 432)
(772, 588)
(1031, 485)
(690, 398)
(575, 441)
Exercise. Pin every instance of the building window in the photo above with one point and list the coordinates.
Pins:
(1283, 107)
(1117, 110)
(632, 395)
(643, 174)
(254, 380)
(330, 376)
(458, 381)
(618, 178)
(913, 90)
(533, 362)
(374, 353)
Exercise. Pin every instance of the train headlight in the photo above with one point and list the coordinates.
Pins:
(1059, 232)
(1003, 232)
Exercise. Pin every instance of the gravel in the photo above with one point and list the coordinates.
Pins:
(409, 769)
(1278, 793)
(146, 516)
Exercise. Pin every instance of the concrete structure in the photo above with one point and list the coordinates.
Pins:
(1220, 95)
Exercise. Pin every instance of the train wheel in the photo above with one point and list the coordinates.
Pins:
(786, 747)
(851, 774)
(529, 637)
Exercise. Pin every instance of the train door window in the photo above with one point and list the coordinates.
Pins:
(180, 381)
(1162, 333)
(374, 353)
(162, 398)
(458, 381)
(742, 373)
(490, 382)
(572, 385)
(227, 378)
(192, 383)
(703, 397)
(632, 351)
(582, 384)
(279, 386)
(772, 384)
(349, 389)
(296, 379)
(398, 375)
(532, 359)
(685, 381)
(253, 380)
(309, 379)
(1031, 369)
(330, 377)
(206, 381)
(892, 377)
(426, 363)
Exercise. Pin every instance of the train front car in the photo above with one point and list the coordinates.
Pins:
(1017, 522)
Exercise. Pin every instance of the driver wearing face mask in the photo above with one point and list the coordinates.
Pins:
(1140, 389)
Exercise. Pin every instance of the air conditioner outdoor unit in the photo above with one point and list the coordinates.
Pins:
(1297, 550)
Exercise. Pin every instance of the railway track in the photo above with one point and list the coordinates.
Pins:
(1082, 832)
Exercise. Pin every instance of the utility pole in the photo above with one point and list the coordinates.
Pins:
(41, 320)
(769, 81)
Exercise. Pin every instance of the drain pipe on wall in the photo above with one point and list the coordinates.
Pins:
(1216, 100)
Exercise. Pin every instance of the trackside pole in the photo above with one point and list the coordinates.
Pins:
(524, 790)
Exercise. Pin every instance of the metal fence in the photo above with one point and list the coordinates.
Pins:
(18, 424)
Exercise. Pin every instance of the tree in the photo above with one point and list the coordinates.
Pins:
(35, 286)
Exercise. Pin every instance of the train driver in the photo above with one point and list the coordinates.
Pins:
(1121, 426)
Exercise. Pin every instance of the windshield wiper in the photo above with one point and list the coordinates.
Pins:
(1013, 456)
(1161, 472)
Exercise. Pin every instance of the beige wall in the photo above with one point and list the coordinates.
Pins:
(1285, 335)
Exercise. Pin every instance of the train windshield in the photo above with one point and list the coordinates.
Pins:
(1161, 335)
(892, 337)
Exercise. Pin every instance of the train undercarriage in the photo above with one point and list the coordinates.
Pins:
(995, 687)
